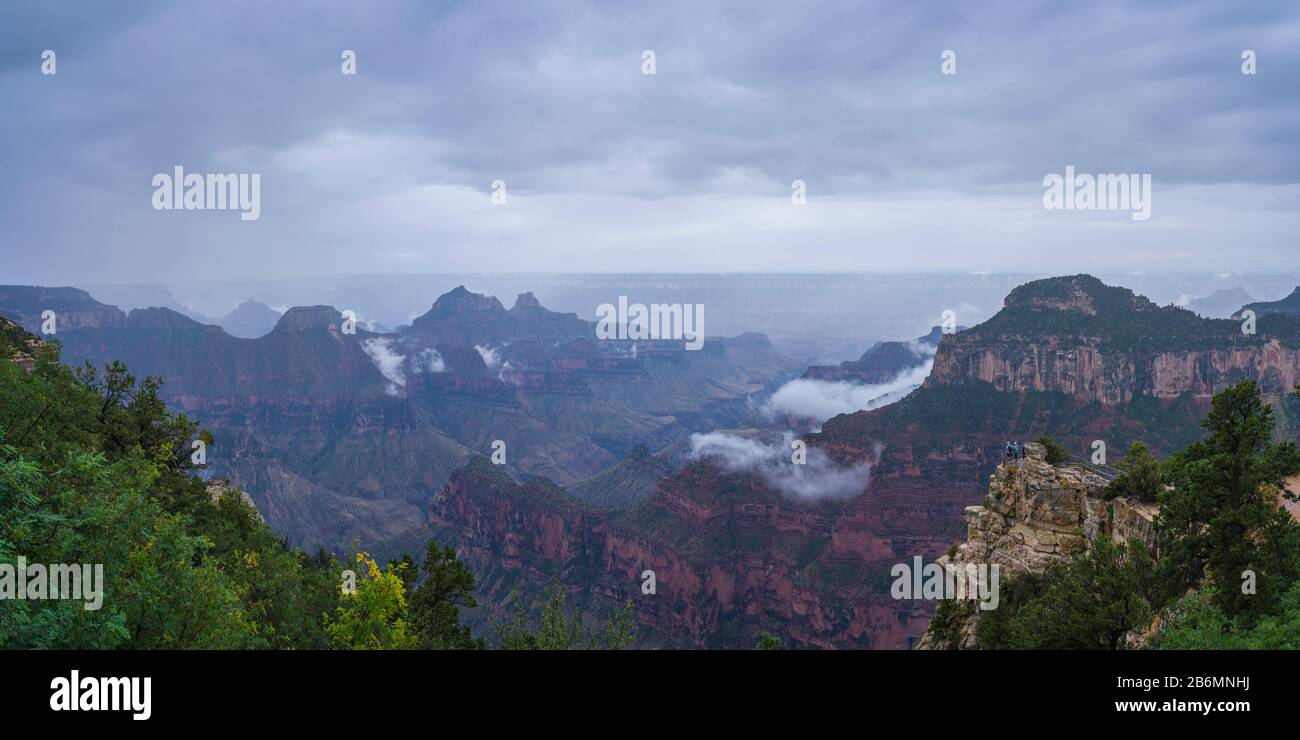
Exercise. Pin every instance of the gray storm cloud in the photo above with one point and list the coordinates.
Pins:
(819, 478)
(686, 170)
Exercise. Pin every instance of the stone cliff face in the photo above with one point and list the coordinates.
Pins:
(467, 318)
(18, 345)
(1275, 367)
(1079, 368)
(73, 308)
(1068, 357)
(1035, 513)
(731, 558)
(217, 489)
(1077, 336)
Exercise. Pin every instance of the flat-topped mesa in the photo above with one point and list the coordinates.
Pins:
(1078, 336)
(309, 318)
(160, 319)
(73, 308)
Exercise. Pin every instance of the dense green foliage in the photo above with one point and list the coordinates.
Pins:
(1221, 518)
(1228, 573)
(372, 615)
(447, 587)
(999, 629)
(1056, 454)
(1140, 479)
(1088, 603)
(1195, 623)
(560, 629)
(95, 470)
(949, 616)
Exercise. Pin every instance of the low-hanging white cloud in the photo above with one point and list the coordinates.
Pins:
(818, 478)
(490, 356)
(388, 362)
(821, 399)
(506, 376)
(429, 360)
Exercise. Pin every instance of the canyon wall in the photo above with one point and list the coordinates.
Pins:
(731, 559)
(1080, 368)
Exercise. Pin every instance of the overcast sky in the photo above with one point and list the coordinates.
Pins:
(610, 169)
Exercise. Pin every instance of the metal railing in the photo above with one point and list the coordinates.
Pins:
(1106, 471)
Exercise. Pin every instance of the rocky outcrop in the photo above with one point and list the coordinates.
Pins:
(217, 489)
(18, 345)
(1035, 513)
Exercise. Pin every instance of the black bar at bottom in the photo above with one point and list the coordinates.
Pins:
(332, 690)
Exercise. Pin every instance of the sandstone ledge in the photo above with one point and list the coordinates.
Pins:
(1035, 513)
